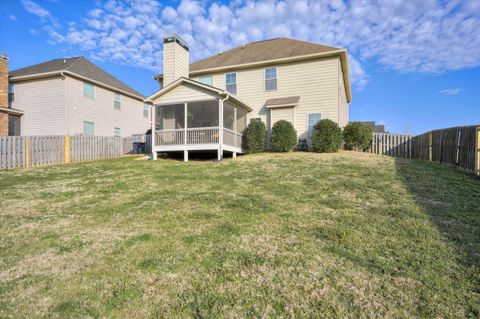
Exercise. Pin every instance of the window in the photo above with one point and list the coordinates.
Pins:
(116, 101)
(231, 82)
(270, 79)
(11, 94)
(88, 90)
(206, 79)
(313, 118)
(145, 110)
(88, 128)
(116, 132)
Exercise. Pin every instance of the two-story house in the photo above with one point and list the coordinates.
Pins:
(206, 105)
(70, 96)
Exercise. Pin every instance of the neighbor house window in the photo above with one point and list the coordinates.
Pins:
(313, 118)
(270, 79)
(231, 82)
(11, 94)
(88, 128)
(206, 79)
(116, 131)
(116, 101)
(145, 110)
(88, 90)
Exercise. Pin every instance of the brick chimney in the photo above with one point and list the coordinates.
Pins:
(175, 59)
(3, 93)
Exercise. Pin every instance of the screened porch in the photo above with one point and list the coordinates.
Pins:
(199, 125)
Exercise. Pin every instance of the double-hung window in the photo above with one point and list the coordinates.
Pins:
(313, 118)
(88, 90)
(231, 82)
(88, 128)
(116, 131)
(206, 79)
(117, 99)
(145, 110)
(270, 79)
(11, 93)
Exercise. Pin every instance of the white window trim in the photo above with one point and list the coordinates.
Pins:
(115, 131)
(206, 76)
(94, 91)
(308, 115)
(91, 122)
(236, 82)
(115, 100)
(265, 78)
(149, 109)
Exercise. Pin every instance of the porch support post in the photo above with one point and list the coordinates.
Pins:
(234, 155)
(154, 134)
(235, 127)
(220, 129)
(185, 156)
(185, 124)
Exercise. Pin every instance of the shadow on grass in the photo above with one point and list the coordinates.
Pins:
(451, 198)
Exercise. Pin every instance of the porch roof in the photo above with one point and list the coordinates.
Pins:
(221, 93)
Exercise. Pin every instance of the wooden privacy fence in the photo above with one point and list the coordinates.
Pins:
(29, 151)
(456, 146)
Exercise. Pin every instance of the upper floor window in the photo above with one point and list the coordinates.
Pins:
(270, 79)
(88, 128)
(117, 101)
(11, 94)
(116, 132)
(313, 118)
(231, 82)
(206, 79)
(145, 110)
(88, 90)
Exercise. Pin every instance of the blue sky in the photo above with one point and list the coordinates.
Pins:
(415, 65)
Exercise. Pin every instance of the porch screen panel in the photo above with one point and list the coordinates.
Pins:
(228, 116)
(202, 114)
(241, 121)
(170, 117)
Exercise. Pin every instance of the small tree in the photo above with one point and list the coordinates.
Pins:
(255, 137)
(284, 136)
(327, 136)
(357, 136)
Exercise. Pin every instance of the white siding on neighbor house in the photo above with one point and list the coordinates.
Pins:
(342, 103)
(101, 111)
(183, 93)
(42, 102)
(315, 81)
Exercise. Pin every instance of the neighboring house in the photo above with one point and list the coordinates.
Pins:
(206, 105)
(73, 96)
(376, 128)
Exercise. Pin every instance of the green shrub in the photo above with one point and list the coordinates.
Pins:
(255, 137)
(327, 136)
(357, 136)
(284, 136)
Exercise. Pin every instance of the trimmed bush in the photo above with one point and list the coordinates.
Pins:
(357, 136)
(284, 136)
(255, 137)
(327, 137)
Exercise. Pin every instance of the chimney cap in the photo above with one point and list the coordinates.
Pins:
(172, 37)
(3, 56)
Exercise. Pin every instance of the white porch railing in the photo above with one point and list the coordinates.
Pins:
(202, 135)
(232, 138)
(170, 137)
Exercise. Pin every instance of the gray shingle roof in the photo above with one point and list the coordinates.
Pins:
(78, 65)
(289, 100)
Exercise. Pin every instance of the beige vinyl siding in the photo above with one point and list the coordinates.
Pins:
(176, 60)
(315, 81)
(282, 113)
(342, 103)
(183, 93)
(101, 111)
(43, 103)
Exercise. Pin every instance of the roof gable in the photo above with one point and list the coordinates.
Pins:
(77, 65)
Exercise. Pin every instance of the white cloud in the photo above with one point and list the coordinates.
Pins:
(407, 36)
(12, 17)
(450, 91)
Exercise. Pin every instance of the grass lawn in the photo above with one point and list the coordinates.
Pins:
(271, 235)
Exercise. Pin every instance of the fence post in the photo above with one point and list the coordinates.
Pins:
(66, 148)
(27, 152)
(430, 146)
(477, 153)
